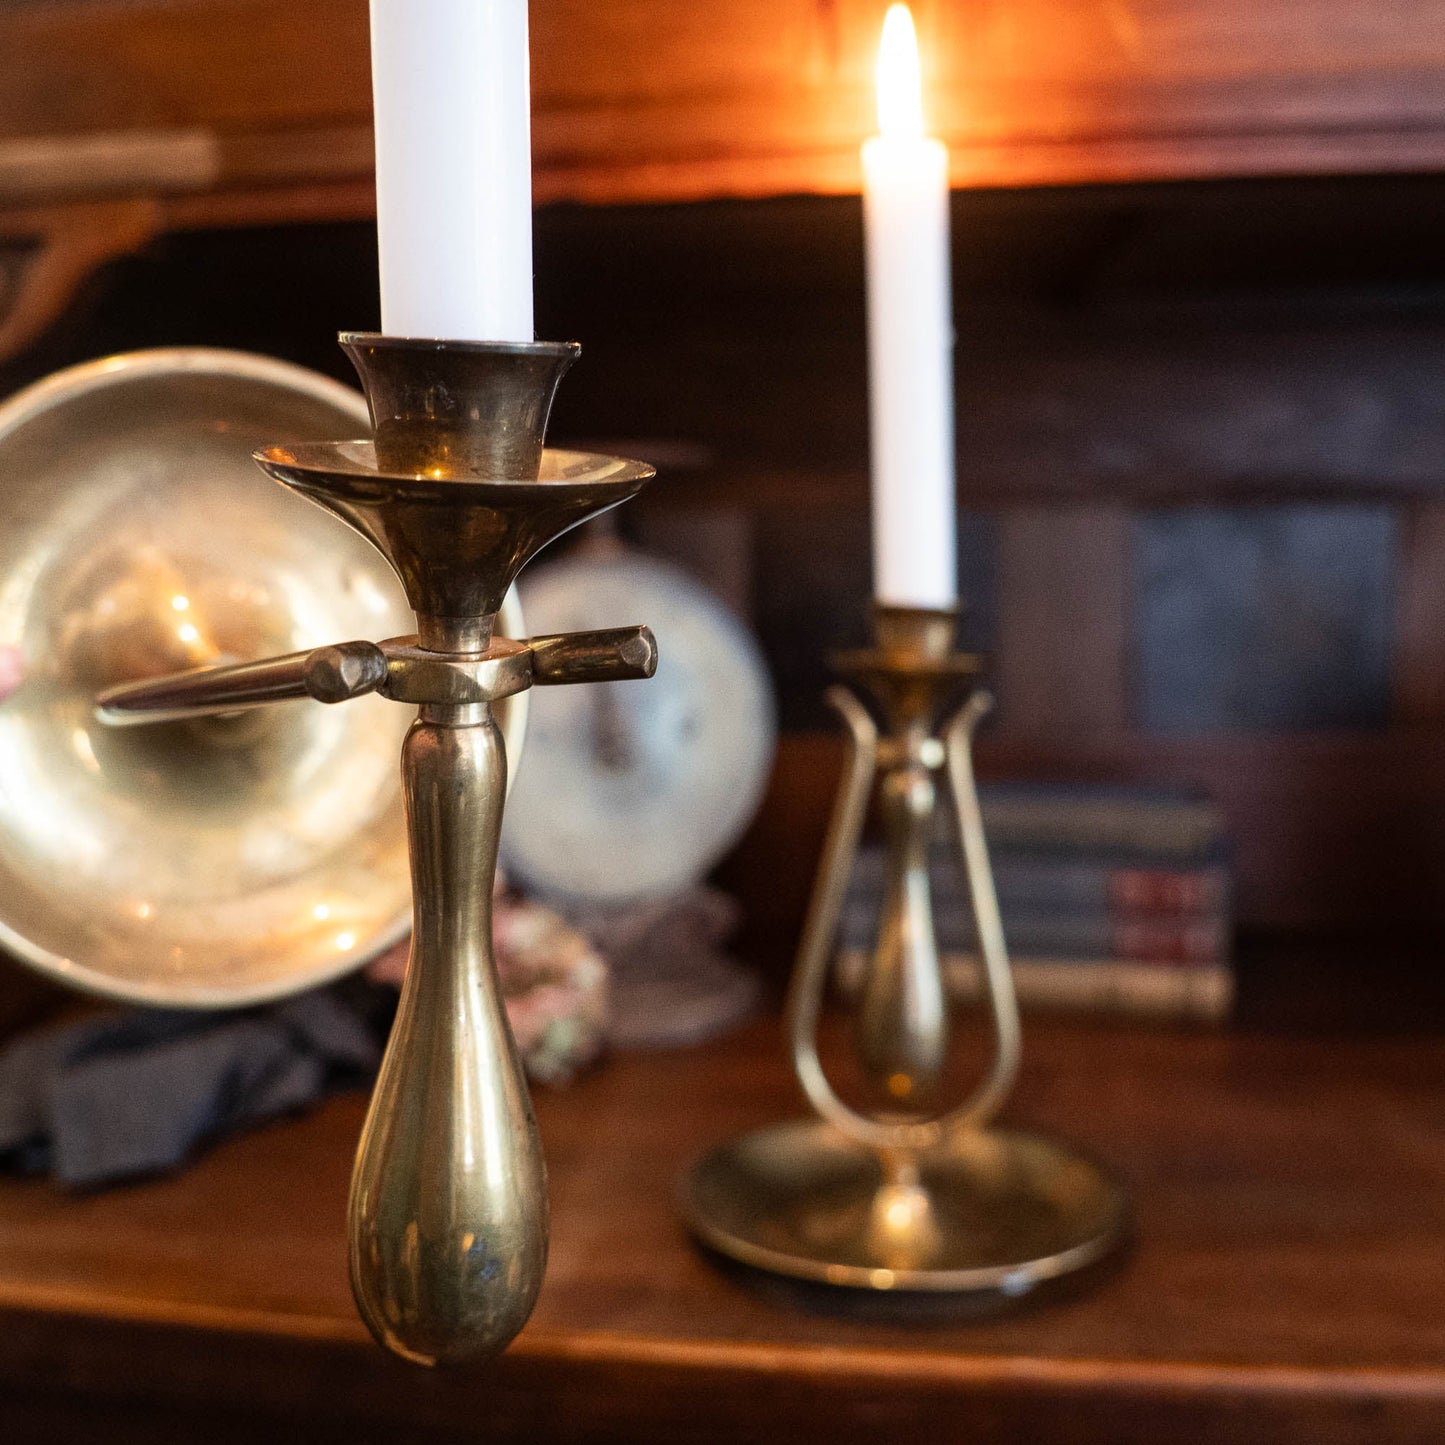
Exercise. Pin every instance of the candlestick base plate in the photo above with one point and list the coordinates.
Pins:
(996, 1212)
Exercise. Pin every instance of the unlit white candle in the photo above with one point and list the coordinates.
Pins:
(451, 95)
(910, 337)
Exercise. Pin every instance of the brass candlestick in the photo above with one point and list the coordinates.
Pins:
(448, 1212)
(898, 1195)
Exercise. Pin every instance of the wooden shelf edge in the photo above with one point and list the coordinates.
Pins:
(82, 1309)
(625, 1387)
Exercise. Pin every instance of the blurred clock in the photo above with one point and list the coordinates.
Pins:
(629, 792)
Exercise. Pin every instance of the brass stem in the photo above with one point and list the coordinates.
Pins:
(448, 1211)
(810, 976)
(901, 1025)
(459, 636)
(993, 951)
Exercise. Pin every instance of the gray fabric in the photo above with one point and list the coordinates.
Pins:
(136, 1092)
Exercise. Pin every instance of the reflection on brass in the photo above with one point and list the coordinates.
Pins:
(456, 544)
(459, 409)
(399, 669)
(336, 673)
(416, 674)
(905, 1193)
(448, 1211)
(801, 1200)
(208, 861)
(612, 655)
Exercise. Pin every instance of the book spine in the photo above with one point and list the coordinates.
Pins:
(1176, 940)
(1081, 886)
(1045, 822)
(1200, 992)
(1169, 890)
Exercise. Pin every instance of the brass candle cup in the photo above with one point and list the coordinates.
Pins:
(903, 1193)
(447, 1219)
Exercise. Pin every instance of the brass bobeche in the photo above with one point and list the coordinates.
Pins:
(902, 1192)
(448, 1212)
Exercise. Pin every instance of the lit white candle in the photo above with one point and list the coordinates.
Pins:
(451, 94)
(910, 336)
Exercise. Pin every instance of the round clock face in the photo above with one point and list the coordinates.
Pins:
(631, 791)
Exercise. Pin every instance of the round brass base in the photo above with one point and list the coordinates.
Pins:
(998, 1212)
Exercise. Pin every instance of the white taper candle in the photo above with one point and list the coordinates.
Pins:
(910, 336)
(451, 94)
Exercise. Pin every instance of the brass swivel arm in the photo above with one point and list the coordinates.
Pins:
(397, 669)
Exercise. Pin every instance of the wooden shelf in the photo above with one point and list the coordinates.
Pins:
(650, 100)
(192, 114)
(1285, 1284)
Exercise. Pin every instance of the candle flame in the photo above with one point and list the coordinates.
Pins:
(900, 80)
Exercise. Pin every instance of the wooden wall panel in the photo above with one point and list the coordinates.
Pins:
(734, 333)
(1264, 619)
(1420, 617)
(1063, 588)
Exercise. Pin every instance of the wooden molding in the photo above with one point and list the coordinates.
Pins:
(1055, 563)
(258, 112)
(646, 100)
(52, 252)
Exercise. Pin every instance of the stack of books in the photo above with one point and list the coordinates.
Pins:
(1114, 899)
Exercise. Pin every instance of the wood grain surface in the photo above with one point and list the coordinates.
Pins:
(1284, 1285)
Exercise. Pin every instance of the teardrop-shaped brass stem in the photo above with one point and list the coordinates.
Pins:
(902, 1020)
(448, 1211)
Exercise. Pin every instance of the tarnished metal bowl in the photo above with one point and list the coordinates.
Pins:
(222, 861)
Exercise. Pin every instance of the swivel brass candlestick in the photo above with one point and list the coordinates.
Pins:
(901, 1193)
(448, 1211)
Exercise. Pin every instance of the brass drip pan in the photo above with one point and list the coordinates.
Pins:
(997, 1214)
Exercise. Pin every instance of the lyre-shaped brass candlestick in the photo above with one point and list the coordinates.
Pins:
(448, 1211)
(903, 1194)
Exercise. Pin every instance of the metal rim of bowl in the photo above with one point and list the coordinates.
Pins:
(85, 377)
(1005, 1278)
